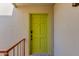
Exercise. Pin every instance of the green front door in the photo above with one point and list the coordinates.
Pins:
(39, 33)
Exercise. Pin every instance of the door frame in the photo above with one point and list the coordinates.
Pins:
(30, 25)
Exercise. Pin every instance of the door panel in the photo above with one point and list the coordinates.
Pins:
(39, 33)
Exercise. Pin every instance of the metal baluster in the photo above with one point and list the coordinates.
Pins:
(20, 49)
(17, 50)
(14, 52)
(24, 47)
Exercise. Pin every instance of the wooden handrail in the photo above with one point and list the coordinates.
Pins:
(3, 51)
(15, 45)
(7, 51)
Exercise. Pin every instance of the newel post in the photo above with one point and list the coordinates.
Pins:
(6, 54)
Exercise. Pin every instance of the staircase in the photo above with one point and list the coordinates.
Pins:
(17, 49)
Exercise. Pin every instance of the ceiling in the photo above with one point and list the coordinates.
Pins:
(26, 4)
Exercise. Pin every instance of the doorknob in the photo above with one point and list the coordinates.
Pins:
(31, 31)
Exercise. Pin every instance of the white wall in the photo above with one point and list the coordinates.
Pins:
(15, 27)
(66, 30)
(12, 29)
